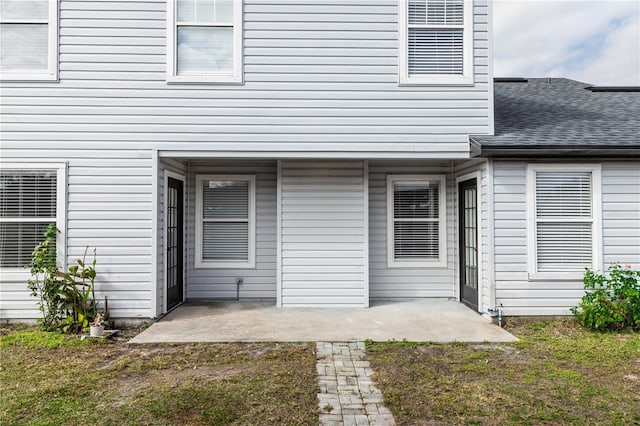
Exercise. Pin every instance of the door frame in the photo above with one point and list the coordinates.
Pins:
(169, 174)
(468, 176)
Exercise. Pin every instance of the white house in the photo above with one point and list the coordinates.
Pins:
(309, 152)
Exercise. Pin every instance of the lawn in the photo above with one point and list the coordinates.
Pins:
(51, 379)
(557, 373)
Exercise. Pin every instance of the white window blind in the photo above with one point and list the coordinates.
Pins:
(435, 37)
(27, 207)
(207, 40)
(227, 220)
(416, 220)
(564, 220)
(28, 39)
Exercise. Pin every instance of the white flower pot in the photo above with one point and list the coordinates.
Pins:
(96, 330)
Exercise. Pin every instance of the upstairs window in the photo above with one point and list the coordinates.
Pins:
(28, 40)
(436, 45)
(225, 227)
(205, 41)
(416, 227)
(30, 200)
(564, 224)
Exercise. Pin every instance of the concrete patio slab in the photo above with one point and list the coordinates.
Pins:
(417, 320)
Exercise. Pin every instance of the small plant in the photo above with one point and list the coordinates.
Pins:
(78, 292)
(98, 320)
(45, 282)
(612, 300)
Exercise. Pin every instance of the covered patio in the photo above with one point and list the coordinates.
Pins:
(424, 320)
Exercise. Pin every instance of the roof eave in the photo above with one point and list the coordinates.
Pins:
(480, 150)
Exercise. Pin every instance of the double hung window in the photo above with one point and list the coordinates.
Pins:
(564, 212)
(225, 227)
(28, 40)
(436, 42)
(30, 200)
(416, 227)
(205, 41)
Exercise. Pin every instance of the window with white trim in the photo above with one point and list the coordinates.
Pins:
(564, 219)
(416, 220)
(205, 41)
(28, 40)
(225, 227)
(30, 200)
(436, 45)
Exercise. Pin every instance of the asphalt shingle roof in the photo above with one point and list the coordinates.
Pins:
(546, 115)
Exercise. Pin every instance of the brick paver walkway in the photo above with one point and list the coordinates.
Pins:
(347, 394)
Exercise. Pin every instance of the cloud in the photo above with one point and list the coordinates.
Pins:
(593, 41)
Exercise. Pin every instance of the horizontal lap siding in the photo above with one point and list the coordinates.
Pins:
(620, 229)
(403, 283)
(320, 72)
(109, 209)
(621, 212)
(323, 233)
(259, 282)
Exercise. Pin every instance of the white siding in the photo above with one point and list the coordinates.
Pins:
(259, 282)
(109, 208)
(621, 232)
(320, 75)
(407, 283)
(323, 229)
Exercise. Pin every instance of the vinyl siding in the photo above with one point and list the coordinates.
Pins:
(109, 208)
(320, 75)
(620, 228)
(259, 282)
(323, 233)
(406, 283)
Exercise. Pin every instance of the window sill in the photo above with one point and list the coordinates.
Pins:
(556, 276)
(26, 77)
(224, 265)
(206, 79)
(416, 264)
(436, 80)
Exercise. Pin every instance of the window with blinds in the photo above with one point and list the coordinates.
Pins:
(28, 39)
(207, 40)
(27, 207)
(564, 220)
(225, 205)
(416, 215)
(434, 46)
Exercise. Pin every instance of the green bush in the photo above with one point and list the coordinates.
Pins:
(612, 300)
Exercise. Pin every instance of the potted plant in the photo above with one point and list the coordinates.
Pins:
(96, 328)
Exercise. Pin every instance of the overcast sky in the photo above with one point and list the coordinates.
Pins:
(593, 41)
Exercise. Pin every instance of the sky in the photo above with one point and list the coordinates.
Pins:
(593, 41)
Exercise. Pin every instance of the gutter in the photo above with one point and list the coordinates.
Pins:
(479, 150)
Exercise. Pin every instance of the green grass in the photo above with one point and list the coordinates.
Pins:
(52, 379)
(557, 373)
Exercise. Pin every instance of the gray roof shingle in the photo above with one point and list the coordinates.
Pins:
(550, 117)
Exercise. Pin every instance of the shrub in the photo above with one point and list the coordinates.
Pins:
(612, 300)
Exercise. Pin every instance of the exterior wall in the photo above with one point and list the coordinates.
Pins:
(320, 80)
(320, 76)
(406, 283)
(323, 233)
(260, 282)
(620, 229)
(486, 283)
(109, 208)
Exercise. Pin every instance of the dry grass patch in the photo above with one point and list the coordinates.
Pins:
(557, 374)
(52, 379)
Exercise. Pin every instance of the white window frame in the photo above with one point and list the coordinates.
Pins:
(532, 220)
(441, 262)
(52, 57)
(250, 263)
(14, 273)
(234, 77)
(466, 79)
